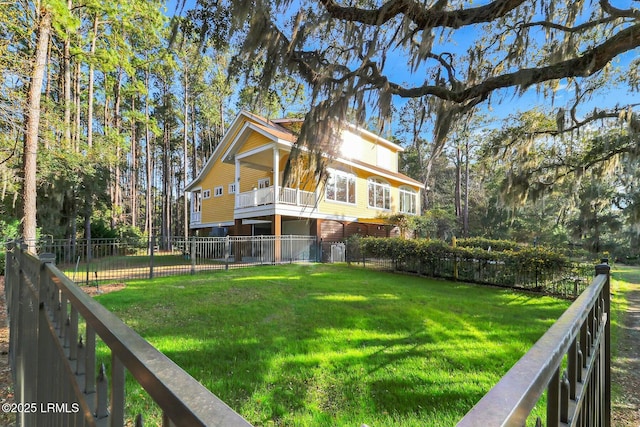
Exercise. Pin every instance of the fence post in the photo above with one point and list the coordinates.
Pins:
(454, 244)
(42, 346)
(604, 268)
(152, 246)
(227, 250)
(193, 254)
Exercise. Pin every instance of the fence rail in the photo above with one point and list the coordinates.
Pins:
(54, 326)
(572, 362)
(568, 280)
(54, 362)
(100, 260)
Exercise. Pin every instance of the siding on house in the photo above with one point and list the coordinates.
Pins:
(362, 154)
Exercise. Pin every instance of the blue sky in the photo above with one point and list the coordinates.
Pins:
(508, 101)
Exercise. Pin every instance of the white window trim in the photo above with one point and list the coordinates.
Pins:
(385, 185)
(347, 175)
(232, 188)
(206, 194)
(196, 202)
(408, 190)
(264, 183)
(218, 191)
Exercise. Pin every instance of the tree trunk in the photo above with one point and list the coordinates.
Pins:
(185, 154)
(116, 203)
(133, 171)
(458, 189)
(66, 63)
(88, 201)
(78, 105)
(91, 84)
(194, 142)
(30, 163)
(148, 224)
(465, 213)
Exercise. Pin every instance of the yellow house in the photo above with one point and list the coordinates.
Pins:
(239, 191)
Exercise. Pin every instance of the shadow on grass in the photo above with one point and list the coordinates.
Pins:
(383, 350)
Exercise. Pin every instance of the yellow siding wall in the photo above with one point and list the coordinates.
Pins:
(218, 209)
(254, 141)
(249, 178)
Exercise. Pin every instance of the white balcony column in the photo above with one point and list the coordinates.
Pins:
(276, 175)
(237, 181)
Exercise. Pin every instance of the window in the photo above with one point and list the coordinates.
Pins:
(217, 192)
(408, 200)
(264, 183)
(206, 194)
(379, 194)
(196, 202)
(232, 188)
(341, 187)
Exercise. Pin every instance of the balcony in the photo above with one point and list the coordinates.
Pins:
(267, 196)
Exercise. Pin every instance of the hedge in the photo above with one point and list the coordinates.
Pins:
(513, 265)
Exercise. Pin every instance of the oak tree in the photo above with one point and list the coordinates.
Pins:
(456, 54)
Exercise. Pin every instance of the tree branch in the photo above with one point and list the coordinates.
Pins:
(585, 65)
(423, 18)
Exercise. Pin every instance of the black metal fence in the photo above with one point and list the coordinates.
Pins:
(567, 280)
(100, 260)
(112, 260)
(54, 360)
(53, 331)
(571, 362)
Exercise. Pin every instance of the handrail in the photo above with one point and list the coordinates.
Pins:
(513, 398)
(183, 400)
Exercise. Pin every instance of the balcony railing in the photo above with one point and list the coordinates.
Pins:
(266, 196)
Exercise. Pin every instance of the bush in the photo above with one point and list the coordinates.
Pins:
(486, 244)
(512, 265)
(10, 230)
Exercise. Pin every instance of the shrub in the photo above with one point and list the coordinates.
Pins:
(511, 266)
(486, 244)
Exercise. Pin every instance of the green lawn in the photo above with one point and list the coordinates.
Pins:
(325, 345)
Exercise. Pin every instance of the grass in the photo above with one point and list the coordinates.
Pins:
(622, 277)
(324, 345)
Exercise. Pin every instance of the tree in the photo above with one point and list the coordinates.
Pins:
(32, 125)
(460, 55)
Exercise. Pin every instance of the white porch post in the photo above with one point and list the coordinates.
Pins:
(237, 181)
(276, 175)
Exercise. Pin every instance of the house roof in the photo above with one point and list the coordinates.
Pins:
(246, 122)
(242, 122)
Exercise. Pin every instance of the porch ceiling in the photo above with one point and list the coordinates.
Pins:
(262, 160)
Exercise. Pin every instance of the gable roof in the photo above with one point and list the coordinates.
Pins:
(233, 138)
(245, 123)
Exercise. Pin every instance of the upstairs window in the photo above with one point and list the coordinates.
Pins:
(264, 183)
(218, 191)
(196, 201)
(408, 200)
(379, 194)
(232, 188)
(206, 194)
(341, 187)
